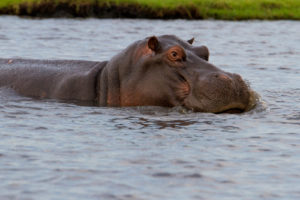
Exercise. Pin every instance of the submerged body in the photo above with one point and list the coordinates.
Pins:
(156, 71)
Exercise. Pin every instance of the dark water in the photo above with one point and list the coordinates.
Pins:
(56, 150)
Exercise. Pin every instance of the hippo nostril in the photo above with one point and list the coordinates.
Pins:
(223, 77)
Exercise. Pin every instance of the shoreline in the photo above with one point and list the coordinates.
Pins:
(135, 9)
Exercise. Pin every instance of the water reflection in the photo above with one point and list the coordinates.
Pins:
(159, 124)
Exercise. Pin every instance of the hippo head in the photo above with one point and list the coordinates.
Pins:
(167, 71)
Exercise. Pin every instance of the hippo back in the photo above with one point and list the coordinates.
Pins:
(61, 79)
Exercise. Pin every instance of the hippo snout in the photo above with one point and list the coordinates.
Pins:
(219, 92)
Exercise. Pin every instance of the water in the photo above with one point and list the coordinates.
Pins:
(56, 150)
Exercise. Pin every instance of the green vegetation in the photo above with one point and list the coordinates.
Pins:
(164, 9)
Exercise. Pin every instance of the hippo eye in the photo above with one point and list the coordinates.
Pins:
(174, 54)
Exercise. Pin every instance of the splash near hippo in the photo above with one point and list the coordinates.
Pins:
(156, 71)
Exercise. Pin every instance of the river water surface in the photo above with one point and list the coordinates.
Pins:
(57, 150)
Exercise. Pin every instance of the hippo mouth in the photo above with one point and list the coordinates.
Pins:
(252, 101)
(232, 111)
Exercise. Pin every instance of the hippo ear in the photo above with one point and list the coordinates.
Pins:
(202, 52)
(191, 40)
(153, 43)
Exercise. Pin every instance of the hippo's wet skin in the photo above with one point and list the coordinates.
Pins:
(156, 71)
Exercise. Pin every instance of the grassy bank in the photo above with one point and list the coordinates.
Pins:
(157, 9)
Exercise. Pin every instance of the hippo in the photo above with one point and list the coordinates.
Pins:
(156, 71)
